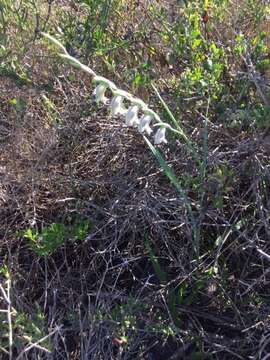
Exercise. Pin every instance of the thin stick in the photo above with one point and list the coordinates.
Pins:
(266, 256)
(36, 344)
(6, 296)
(10, 334)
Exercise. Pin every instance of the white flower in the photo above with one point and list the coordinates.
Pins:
(117, 107)
(144, 124)
(160, 136)
(132, 116)
(99, 94)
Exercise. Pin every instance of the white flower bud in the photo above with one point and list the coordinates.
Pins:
(144, 124)
(117, 107)
(160, 136)
(99, 94)
(132, 116)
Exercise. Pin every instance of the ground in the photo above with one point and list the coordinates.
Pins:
(110, 250)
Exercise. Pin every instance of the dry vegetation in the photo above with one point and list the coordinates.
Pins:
(97, 251)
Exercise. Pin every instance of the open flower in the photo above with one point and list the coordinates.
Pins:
(132, 116)
(160, 136)
(117, 107)
(144, 125)
(99, 94)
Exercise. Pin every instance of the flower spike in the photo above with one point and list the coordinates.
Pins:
(116, 104)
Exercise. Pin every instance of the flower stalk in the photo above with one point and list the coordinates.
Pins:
(116, 105)
(146, 122)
